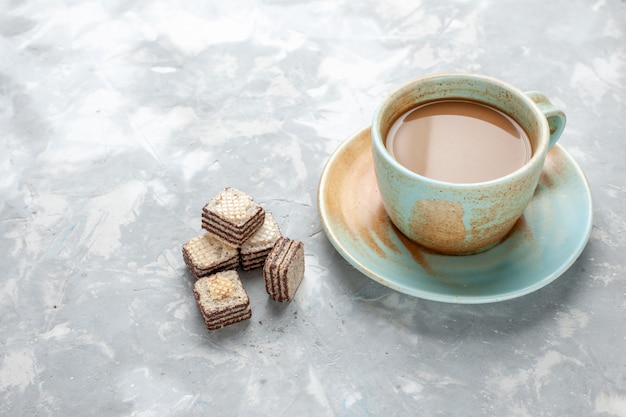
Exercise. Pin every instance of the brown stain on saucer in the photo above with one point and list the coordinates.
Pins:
(418, 253)
(354, 197)
(354, 200)
(545, 180)
(552, 168)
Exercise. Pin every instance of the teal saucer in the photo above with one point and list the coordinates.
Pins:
(544, 243)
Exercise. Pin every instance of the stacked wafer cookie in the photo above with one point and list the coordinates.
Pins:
(205, 255)
(222, 299)
(232, 217)
(254, 251)
(239, 232)
(284, 268)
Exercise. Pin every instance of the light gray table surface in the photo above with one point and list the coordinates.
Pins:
(119, 119)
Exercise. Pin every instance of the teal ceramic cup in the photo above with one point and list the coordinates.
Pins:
(462, 218)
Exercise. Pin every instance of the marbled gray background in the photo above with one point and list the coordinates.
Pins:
(119, 119)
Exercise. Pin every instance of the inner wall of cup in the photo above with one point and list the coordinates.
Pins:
(487, 92)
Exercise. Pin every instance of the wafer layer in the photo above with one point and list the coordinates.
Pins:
(205, 255)
(213, 324)
(222, 299)
(284, 269)
(232, 216)
(254, 251)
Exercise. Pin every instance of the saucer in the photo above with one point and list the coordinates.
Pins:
(544, 243)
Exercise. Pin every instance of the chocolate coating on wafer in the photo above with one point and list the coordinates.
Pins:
(254, 251)
(204, 255)
(232, 216)
(284, 269)
(222, 299)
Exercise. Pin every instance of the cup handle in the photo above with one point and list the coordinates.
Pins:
(556, 117)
